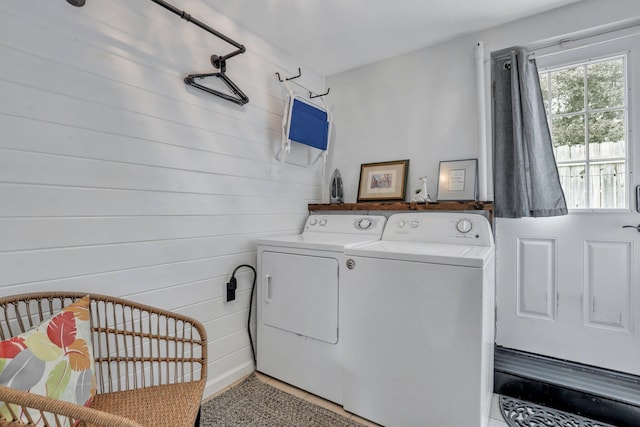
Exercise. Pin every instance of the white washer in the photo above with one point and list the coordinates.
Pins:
(418, 323)
(298, 321)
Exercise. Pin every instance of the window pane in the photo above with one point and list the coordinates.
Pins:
(605, 84)
(587, 109)
(606, 134)
(607, 185)
(567, 90)
(544, 86)
(573, 181)
(568, 138)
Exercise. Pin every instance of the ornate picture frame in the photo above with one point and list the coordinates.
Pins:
(383, 181)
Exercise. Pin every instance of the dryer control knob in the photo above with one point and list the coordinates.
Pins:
(323, 222)
(313, 221)
(464, 226)
(401, 224)
(364, 223)
(414, 224)
(351, 264)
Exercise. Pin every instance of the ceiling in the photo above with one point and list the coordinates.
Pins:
(331, 36)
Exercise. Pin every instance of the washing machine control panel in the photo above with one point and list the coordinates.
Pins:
(348, 224)
(429, 227)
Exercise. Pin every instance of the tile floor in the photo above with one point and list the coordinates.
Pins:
(495, 420)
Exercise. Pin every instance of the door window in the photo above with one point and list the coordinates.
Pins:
(586, 106)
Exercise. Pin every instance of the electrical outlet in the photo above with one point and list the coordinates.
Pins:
(231, 289)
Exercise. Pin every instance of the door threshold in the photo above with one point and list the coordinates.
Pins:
(600, 394)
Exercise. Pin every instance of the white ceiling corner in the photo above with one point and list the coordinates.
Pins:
(331, 36)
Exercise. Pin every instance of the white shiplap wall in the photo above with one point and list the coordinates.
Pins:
(117, 178)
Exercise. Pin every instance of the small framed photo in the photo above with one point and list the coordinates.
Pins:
(386, 181)
(458, 180)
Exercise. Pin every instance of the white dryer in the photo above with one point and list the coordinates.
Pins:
(418, 323)
(298, 303)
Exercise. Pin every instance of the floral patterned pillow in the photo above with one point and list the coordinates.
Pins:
(54, 359)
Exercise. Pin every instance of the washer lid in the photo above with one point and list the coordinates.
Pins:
(434, 253)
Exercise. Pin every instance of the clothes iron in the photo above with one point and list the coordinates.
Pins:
(337, 191)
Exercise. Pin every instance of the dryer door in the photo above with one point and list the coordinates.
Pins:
(300, 294)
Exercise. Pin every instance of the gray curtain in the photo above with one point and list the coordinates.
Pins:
(526, 182)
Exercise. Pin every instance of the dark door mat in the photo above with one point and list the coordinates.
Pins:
(518, 413)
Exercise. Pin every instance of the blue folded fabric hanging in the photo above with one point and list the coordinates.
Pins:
(308, 124)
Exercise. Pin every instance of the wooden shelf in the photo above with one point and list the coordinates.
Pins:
(403, 206)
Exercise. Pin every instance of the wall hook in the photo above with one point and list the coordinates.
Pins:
(289, 78)
(311, 95)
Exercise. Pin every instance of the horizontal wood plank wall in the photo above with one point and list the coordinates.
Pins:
(117, 178)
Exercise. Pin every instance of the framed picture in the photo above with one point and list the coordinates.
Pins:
(458, 180)
(386, 181)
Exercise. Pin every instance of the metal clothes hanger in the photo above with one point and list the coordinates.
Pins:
(240, 97)
(219, 62)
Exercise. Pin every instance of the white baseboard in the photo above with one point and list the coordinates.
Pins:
(214, 385)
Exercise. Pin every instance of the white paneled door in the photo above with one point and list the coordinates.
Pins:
(569, 287)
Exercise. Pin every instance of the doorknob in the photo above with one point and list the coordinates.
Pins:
(637, 227)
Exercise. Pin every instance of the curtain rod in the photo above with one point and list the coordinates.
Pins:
(567, 42)
(627, 29)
